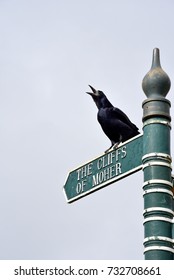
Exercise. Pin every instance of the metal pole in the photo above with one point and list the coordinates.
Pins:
(157, 187)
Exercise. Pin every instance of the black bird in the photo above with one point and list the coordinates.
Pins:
(115, 124)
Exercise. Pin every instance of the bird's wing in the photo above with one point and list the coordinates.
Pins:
(118, 114)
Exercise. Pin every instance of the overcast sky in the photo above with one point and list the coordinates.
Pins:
(50, 50)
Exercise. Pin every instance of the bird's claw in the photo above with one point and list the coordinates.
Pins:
(113, 147)
(107, 150)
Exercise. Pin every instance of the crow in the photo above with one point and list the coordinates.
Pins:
(115, 124)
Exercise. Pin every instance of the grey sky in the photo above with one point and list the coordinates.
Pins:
(49, 52)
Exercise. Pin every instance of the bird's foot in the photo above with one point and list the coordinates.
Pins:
(108, 150)
(113, 147)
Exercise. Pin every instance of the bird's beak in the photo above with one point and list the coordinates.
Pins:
(94, 91)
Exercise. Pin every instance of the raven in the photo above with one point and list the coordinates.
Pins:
(115, 124)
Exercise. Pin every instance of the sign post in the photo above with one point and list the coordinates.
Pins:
(158, 195)
(150, 152)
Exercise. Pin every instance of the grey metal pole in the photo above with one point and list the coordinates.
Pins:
(157, 187)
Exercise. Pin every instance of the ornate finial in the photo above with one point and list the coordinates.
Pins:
(156, 83)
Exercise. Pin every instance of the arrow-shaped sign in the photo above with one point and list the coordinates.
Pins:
(105, 169)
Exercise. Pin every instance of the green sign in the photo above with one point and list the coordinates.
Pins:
(105, 169)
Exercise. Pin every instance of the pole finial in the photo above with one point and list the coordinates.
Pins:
(156, 83)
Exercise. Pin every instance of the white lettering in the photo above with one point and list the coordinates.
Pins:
(95, 180)
(89, 169)
(124, 152)
(118, 168)
(112, 156)
(99, 163)
(80, 186)
(118, 152)
(84, 171)
(112, 171)
(106, 174)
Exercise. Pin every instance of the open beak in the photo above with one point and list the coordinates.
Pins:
(94, 91)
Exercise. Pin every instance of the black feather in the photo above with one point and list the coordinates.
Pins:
(114, 122)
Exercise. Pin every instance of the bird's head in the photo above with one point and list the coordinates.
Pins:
(99, 98)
